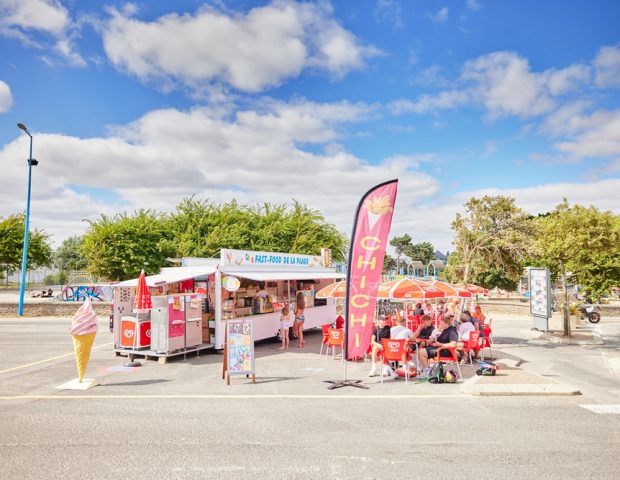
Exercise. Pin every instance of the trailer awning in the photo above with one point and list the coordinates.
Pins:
(266, 275)
(170, 275)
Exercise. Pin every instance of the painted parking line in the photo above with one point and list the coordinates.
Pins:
(49, 359)
(613, 409)
(223, 397)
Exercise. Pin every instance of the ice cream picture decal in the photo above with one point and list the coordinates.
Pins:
(376, 207)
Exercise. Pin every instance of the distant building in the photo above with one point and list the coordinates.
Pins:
(441, 256)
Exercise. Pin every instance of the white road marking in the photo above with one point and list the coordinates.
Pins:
(49, 359)
(223, 397)
(613, 409)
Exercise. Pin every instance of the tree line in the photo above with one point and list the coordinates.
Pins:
(494, 240)
(118, 247)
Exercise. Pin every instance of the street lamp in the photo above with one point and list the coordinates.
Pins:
(31, 162)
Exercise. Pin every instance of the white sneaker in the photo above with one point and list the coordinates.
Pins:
(388, 372)
(373, 371)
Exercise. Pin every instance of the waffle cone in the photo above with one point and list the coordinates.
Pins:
(82, 345)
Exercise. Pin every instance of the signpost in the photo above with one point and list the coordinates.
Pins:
(239, 349)
(541, 298)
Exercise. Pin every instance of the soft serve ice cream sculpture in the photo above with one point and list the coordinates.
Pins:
(83, 331)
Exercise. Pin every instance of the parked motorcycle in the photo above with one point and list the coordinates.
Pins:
(590, 312)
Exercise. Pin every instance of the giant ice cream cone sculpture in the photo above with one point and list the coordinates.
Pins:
(83, 331)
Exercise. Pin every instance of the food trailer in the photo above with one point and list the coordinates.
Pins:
(240, 283)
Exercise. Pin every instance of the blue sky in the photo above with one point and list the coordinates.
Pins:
(137, 105)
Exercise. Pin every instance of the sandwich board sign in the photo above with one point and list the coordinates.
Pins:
(239, 349)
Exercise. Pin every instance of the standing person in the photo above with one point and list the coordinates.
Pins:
(300, 307)
(285, 323)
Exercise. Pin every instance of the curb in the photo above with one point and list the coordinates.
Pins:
(549, 337)
(471, 387)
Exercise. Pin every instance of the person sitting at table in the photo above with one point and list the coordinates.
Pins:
(379, 333)
(423, 332)
(478, 314)
(441, 307)
(418, 309)
(400, 331)
(448, 338)
(465, 327)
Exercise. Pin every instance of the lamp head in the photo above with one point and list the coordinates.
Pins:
(21, 126)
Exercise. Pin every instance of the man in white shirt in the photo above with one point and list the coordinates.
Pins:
(400, 331)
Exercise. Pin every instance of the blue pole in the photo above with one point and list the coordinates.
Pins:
(22, 286)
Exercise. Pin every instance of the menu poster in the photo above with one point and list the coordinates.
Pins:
(540, 292)
(240, 347)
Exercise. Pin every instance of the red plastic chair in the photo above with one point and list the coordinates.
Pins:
(452, 357)
(486, 341)
(472, 345)
(325, 329)
(336, 339)
(395, 351)
(340, 321)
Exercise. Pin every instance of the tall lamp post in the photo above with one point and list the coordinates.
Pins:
(31, 162)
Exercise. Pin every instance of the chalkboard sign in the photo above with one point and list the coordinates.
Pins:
(239, 348)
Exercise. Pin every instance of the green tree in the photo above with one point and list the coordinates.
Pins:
(492, 234)
(400, 245)
(424, 252)
(582, 241)
(200, 228)
(12, 244)
(119, 247)
(389, 265)
(69, 255)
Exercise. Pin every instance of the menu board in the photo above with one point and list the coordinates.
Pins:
(240, 346)
(540, 292)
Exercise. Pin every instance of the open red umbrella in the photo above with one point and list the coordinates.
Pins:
(408, 288)
(336, 289)
(470, 287)
(449, 289)
(142, 303)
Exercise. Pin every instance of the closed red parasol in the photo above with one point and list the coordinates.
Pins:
(142, 303)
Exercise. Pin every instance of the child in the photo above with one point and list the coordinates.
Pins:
(285, 323)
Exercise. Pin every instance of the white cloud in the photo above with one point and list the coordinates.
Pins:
(251, 52)
(389, 11)
(6, 99)
(440, 16)
(472, 5)
(504, 85)
(217, 153)
(607, 67)
(23, 19)
(596, 135)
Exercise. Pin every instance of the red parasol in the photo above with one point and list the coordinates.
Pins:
(336, 289)
(449, 289)
(408, 288)
(470, 287)
(142, 303)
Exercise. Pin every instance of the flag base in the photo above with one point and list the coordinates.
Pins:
(85, 384)
(345, 383)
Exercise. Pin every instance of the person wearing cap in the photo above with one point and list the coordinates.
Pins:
(380, 332)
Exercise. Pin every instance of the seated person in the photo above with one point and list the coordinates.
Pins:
(418, 309)
(50, 292)
(379, 333)
(400, 331)
(423, 332)
(447, 339)
(478, 314)
(465, 327)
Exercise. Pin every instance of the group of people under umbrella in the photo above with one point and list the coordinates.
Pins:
(429, 332)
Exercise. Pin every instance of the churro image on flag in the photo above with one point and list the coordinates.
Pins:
(375, 207)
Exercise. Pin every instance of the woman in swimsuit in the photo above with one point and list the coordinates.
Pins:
(298, 325)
